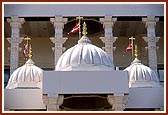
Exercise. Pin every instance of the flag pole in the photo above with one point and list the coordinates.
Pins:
(132, 42)
(79, 18)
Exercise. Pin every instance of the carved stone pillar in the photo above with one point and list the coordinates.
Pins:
(15, 40)
(151, 39)
(117, 101)
(108, 23)
(53, 101)
(58, 40)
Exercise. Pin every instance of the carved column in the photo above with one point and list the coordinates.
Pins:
(58, 40)
(117, 101)
(15, 40)
(108, 23)
(53, 101)
(151, 39)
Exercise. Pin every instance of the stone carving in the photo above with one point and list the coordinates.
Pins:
(108, 23)
(117, 101)
(58, 40)
(151, 39)
(53, 101)
(15, 40)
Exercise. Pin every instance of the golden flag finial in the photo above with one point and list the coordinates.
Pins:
(84, 29)
(136, 51)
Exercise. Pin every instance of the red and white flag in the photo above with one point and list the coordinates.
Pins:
(129, 48)
(75, 28)
(25, 50)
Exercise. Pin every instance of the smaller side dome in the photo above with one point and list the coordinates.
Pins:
(26, 76)
(141, 74)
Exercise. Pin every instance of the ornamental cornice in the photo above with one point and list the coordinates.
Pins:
(58, 19)
(151, 39)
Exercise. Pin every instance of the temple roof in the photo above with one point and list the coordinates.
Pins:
(84, 53)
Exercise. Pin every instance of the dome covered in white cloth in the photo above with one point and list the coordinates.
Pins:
(84, 55)
(26, 76)
(141, 75)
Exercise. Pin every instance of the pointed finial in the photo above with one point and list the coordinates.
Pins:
(84, 29)
(136, 51)
(84, 38)
(30, 52)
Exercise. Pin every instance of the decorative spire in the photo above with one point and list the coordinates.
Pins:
(30, 52)
(84, 29)
(84, 38)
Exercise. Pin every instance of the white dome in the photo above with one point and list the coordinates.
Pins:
(25, 76)
(84, 53)
(141, 74)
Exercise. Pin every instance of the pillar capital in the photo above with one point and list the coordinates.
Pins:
(108, 39)
(58, 22)
(108, 21)
(150, 22)
(151, 39)
(15, 22)
(58, 40)
(15, 40)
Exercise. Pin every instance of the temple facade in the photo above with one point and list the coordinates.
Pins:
(92, 69)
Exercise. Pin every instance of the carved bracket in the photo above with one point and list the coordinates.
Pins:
(58, 40)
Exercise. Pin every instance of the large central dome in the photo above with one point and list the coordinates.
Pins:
(84, 56)
(84, 53)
